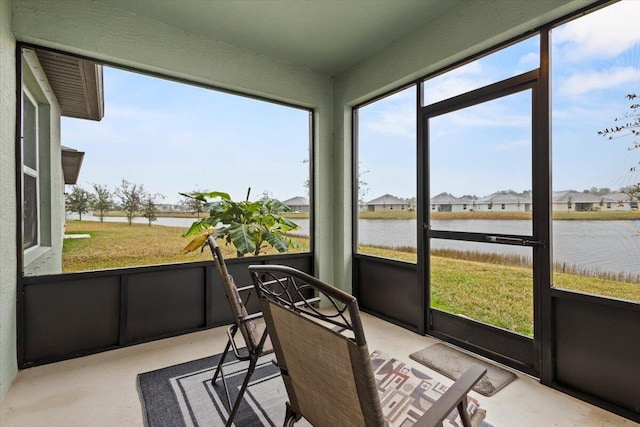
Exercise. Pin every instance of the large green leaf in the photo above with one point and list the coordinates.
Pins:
(278, 241)
(275, 206)
(196, 228)
(214, 194)
(204, 196)
(242, 238)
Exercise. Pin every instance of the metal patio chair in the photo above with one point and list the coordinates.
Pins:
(327, 370)
(251, 328)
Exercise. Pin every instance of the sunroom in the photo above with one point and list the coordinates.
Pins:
(411, 99)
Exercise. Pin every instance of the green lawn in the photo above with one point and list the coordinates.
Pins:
(498, 294)
(114, 245)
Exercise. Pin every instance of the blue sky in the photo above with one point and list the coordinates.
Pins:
(479, 150)
(172, 137)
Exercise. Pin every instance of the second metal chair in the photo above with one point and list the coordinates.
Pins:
(256, 341)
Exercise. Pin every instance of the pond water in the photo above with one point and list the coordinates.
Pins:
(608, 246)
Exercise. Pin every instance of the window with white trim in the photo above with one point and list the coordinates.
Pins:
(30, 182)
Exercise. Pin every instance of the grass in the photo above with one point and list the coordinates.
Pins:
(498, 295)
(490, 288)
(115, 245)
(497, 289)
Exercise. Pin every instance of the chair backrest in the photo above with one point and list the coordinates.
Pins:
(238, 310)
(322, 353)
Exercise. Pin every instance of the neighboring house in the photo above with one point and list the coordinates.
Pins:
(500, 202)
(446, 202)
(298, 204)
(387, 203)
(620, 202)
(575, 201)
(52, 86)
(443, 202)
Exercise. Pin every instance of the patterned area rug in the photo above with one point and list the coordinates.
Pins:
(182, 395)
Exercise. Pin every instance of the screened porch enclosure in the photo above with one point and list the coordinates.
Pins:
(577, 342)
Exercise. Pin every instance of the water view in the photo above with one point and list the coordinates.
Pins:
(607, 246)
(604, 246)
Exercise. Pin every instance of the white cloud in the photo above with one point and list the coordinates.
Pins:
(455, 82)
(398, 120)
(582, 83)
(602, 34)
(529, 61)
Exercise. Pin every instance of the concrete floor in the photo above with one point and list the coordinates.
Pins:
(100, 390)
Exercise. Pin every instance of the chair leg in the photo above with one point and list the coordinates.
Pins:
(291, 417)
(221, 362)
(252, 366)
(464, 415)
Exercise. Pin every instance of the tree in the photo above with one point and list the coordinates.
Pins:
(249, 226)
(131, 197)
(103, 200)
(79, 200)
(363, 186)
(629, 127)
(149, 206)
(192, 204)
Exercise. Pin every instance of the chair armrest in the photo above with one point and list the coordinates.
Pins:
(454, 397)
(259, 315)
(246, 288)
(252, 316)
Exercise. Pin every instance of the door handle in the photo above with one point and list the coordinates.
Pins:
(514, 241)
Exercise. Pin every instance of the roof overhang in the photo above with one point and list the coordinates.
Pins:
(76, 83)
(71, 163)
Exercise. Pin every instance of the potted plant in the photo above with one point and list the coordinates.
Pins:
(248, 226)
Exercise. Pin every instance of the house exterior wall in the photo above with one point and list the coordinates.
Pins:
(468, 207)
(578, 206)
(299, 208)
(46, 257)
(388, 208)
(509, 207)
(8, 260)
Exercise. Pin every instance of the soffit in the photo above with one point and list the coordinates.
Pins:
(77, 84)
(327, 36)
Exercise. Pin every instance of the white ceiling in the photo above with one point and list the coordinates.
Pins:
(328, 36)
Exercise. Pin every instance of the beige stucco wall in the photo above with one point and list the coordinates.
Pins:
(8, 366)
